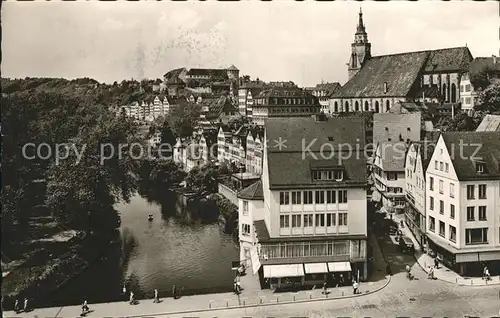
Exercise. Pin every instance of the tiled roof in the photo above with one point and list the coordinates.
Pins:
(232, 68)
(330, 88)
(489, 123)
(252, 192)
(448, 60)
(430, 92)
(217, 73)
(390, 126)
(290, 166)
(284, 92)
(392, 155)
(217, 106)
(401, 72)
(483, 145)
(261, 230)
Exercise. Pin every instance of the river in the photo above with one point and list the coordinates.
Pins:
(175, 248)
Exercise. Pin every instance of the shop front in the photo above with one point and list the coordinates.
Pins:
(340, 273)
(284, 276)
(316, 273)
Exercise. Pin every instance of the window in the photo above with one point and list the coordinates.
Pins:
(342, 219)
(284, 221)
(432, 224)
(296, 197)
(320, 197)
(284, 198)
(482, 191)
(441, 228)
(436, 165)
(452, 211)
(331, 219)
(441, 166)
(296, 220)
(470, 192)
(441, 186)
(452, 190)
(330, 196)
(245, 229)
(320, 220)
(446, 167)
(431, 183)
(470, 213)
(392, 176)
(245, 207)
(431, 203)
(342, 196)
(441, 207)
(480, 167)
(453, 233)
(308, 197)
(308, 220)
(476, 236)
(482, 213)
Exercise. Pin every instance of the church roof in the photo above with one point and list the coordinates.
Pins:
(401, 72)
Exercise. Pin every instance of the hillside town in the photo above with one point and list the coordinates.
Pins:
(387, 183)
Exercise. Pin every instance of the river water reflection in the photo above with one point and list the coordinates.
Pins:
(174, 248)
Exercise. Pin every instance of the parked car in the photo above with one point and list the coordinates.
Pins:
(406, 244)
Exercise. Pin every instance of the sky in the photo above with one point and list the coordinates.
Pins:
(305, 42)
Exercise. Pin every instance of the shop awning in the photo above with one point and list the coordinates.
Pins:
(316, 268)
(288, 270)
(339, 267)
(255, 260)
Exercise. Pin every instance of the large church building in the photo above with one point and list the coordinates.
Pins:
(376, 83)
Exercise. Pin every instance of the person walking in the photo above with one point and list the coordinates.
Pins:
(124, 292)
(355, 287)
(174, 292)
(25, 305)
(324, 288)
(436, 263)
(17, 309)
(131, 299)
(487, 274)
(156, 300)
(431, 273)
(85, 307)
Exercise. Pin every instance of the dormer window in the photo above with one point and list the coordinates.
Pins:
(480, 167)
(325, 175)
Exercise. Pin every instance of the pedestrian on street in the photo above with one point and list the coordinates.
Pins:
(174, 292)
(324, 288)
(431, 273)
(17, 309)
(25, 304)
(131, 299)
(355, 287)
(487, 274)
(124, 292)
(85, 307)
(341, 280)
(436, 263)
(156, 299)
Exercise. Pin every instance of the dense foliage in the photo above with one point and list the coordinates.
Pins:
(489, 99)
(75, 187)
(183, 118)
(203, 178)
(461, 122)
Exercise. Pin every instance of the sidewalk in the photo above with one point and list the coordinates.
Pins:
(442, 273)
(250, 297)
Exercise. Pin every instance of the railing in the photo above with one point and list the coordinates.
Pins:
(289, 297)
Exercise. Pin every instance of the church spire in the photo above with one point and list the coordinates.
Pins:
(360, 48)
(361, 26)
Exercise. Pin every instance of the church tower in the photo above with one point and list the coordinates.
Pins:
(360, 49)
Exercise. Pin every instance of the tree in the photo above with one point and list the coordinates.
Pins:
(489, 99)
(461, 122)
(184, 118)
(203, 178)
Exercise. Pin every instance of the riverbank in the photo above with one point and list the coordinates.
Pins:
(51, 267)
